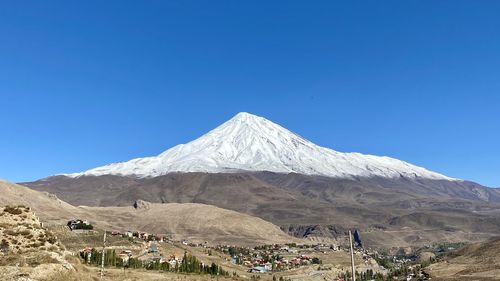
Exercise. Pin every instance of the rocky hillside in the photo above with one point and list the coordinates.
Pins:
(21, 230)
(27, 249)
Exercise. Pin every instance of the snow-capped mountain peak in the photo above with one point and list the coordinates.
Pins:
(248, 142)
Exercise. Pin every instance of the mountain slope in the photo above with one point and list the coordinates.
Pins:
(479, 261)
(46, 205)
(253, 166)
(251, 143)
(389, 212)
(198, 222)
(194, 222)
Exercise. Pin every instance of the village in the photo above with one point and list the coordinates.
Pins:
(262, 259)
(167, 253)
(140, 252)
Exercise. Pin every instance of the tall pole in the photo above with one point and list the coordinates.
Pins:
(353, 270)
(103, 251)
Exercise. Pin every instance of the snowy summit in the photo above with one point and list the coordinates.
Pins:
(251, 143)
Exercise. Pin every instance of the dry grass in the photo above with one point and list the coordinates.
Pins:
(63, 276)
(480, 261)
(41, 258)
(11, 259)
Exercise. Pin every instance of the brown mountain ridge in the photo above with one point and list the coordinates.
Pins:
(388, 212)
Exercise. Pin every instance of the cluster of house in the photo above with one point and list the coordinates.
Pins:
(417, 274)
(139, 235)
(399, 261)
(259, 265)
(87, 252)
(273, 257)
(83, 226)
(172, 260)
(151, 246)
(323, 248)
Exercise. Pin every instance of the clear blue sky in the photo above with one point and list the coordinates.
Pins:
(86, 83)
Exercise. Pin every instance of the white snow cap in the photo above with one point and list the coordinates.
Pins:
(251, 143)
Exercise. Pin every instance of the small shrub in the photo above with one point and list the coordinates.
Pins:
(4, 246)
(10, 259)
(25, 232)
(13, 210)
(5, 225)
(52, 240)
(10, 232)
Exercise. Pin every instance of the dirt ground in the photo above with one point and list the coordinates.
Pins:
(479, 261)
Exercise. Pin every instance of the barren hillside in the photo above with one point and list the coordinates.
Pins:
(45, 205)
(26, 248)
(479, 261)
(194, 222)
(389, 213)
(198, 222)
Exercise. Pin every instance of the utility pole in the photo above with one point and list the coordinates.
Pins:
(103, 250)
(353, 270)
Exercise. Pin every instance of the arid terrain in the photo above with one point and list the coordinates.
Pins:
(479, 261)
(253, 166)
(388, 212)
(27, 248)
(38, 245)
(198, 222)
(31, 250)
(250, 140)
